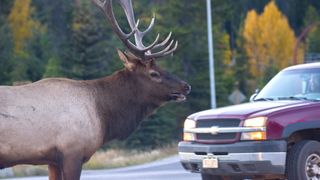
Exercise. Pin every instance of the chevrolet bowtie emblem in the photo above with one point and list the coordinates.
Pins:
(214, 130)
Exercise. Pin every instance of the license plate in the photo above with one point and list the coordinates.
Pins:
(211, 162)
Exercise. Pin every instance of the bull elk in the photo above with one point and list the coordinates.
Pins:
(62, 122)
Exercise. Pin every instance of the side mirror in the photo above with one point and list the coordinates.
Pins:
(253, 96)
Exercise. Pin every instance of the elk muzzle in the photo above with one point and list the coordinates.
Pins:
(181, 96)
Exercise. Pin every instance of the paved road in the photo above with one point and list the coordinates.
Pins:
(166, 169)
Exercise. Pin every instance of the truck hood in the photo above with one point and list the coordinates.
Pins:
(242, 111)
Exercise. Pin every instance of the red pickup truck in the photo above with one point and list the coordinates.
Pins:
(275, 136)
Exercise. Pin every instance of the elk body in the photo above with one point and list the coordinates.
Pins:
(62, 122)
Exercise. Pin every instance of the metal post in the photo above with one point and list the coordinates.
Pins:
(211, 59)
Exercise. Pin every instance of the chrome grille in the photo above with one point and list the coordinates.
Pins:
(206, 123)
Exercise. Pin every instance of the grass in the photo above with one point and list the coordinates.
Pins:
(112, 158)
(28, 170)
(120, 158)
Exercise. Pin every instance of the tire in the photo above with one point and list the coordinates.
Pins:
(215, 177)
(303, 161)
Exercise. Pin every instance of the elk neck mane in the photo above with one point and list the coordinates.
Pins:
(121, 104)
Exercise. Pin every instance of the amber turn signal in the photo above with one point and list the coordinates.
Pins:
(253, 136)
(188, 137)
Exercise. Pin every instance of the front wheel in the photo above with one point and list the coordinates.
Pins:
(304, 161)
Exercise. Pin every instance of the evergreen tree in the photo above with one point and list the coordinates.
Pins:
(57, 16)
(19, 71)
(152, 133)
(6, 49)
(86, 49)
(29, 41)
(21, 23)
(39, 52)
(5, 6)
(53, 68)
(313, 38)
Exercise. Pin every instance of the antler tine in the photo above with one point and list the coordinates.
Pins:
(164, 52)
(164, 42)
(172, 50)
(99, 3)
(106, 7)
(152, 44)
(138, 49)
(127, 7)
(150, 25)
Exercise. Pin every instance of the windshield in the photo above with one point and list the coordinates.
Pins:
(292, 85)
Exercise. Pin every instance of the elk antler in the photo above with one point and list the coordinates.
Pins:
(139, 49)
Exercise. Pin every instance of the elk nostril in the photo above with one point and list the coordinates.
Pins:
(187, 88)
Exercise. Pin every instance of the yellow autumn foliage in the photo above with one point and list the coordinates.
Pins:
(269, 40)
(21, 23)
(227, 54)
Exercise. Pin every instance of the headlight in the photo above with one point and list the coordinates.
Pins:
(254, 122)
(189, 124)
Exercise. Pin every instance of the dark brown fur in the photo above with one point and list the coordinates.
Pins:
(124, 101)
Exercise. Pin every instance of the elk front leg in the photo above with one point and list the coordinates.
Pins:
(54, 172)
(71, 168)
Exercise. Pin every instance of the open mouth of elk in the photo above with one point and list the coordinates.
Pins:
(178, 97)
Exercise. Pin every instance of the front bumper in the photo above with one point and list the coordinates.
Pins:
(256, 158)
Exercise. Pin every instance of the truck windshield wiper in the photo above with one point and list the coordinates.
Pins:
(293, 98)
(264, 99)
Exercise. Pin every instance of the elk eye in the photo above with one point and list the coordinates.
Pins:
(155, 74)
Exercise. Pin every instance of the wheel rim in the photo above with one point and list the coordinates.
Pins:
(312, 167)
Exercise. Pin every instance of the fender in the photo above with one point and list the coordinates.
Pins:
(292, 128)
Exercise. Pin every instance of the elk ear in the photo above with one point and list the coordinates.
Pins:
(128, 63)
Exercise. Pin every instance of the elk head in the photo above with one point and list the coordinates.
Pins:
(140, 60)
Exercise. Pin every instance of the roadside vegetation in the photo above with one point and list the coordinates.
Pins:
(114, 158)
(107, 159)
